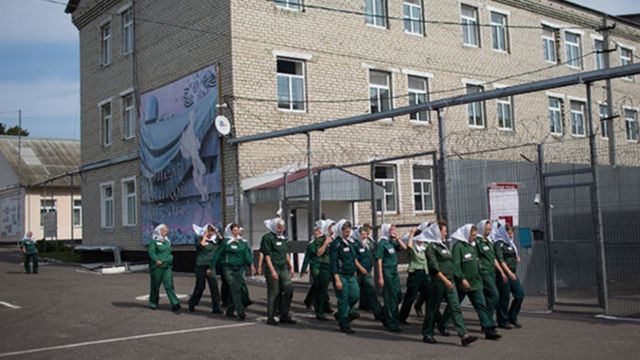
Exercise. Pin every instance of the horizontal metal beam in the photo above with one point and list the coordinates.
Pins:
(558, 82)
(389, 159)
(567, 172)
(573, 185)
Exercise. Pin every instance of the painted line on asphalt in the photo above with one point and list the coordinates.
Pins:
(128, 338)
(10, 306)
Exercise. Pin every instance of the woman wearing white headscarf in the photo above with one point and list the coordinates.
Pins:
(274, 247)
(418, 280)
(317, 256)
(466, 270)
(490, 269)
(441, 270)
(161, 268)
(365, 264)
(28, 248)
(388, 277)
(207, 243)
(507, 255)
(343, 268)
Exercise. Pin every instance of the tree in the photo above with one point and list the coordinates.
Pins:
(14, 130)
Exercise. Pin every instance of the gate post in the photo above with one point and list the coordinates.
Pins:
(545, 215)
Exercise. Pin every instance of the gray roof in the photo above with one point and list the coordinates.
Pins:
(42, 159)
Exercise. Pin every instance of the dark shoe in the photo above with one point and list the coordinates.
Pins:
(516, 324)
(35, 272)
(328, 310)
(347, 330)
(242, 316)
(418, 311)
(505, 326)
(492, 335)
(288, 321)
(176, 308)
(354, 316)
(229, 314)
(216, 311)
(336, 316)
(467, 339)
(192, 308)
(321, 318)
(443, 331)
(429, 340)
(272, 322)
(395, 330)
(307, 305)
(249, 303)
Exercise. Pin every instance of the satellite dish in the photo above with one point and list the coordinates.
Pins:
(223, 125)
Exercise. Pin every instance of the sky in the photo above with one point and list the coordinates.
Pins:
(39, 64)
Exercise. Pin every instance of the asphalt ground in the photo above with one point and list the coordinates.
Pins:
(68, 313)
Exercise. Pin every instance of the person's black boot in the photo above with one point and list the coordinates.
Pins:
(468, 339)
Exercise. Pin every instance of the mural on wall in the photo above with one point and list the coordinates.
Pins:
(179, 152)
(10, 215)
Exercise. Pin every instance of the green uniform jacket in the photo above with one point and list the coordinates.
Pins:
(310, 258)
(506, 253)
(417, 259)
(276, 249)
(364, 256)
(324, 261)
(234, 254)
(387, 250)
(29, 246)
(204, 254)
(440, 260)
(466, 264)
(487, 255)
(160, 250)
(343, 257)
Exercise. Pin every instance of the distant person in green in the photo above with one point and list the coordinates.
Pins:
(441, 270)
(279, 271)
(466, 270)
(490, 270)
(388, 278)
(235, 256)
(207, 242)
(28, 248)
(418, 281)
(343, 268)
(310, 266)
(366, 267)
(161, 268)
(317, 256)
(507, 255)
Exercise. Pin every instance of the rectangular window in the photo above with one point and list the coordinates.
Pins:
(379, 91)
(129, 202)
(475, 111)
(46, 206)
(412, 15)
(77, 213)
(631, 124)
(291, 91)
(106, 205)
(626, 58)
(505, 113)
(603, 112)
(470, 29)
(376, 12)
(107, 125)
(385, 176)
(129, 115)
(550, 44)
(422, 188)
(418, 94)
(499, 32)
(127, 31)
(577, 118)
(105, 36)
(289, 4)
(555, 116)
(573, 50)
(598, 46)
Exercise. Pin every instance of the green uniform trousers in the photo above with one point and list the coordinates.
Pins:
(506, 313)
(479, 304)
(437, 293)
(417, 282)
(162, 276)
(490, 290)
(369, 297)
(347, 298)
(392, 295)
(31, 258)
(234, 276)
(281, 287)
(321, 282)
(201, 281)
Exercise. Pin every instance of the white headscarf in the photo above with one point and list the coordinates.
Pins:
(338, 230)
(156, 233)
(355, 235)
(431, 235)
(462, 234)
(200, 231)
(384, 230)
(272, 225)
(481, 225)
(502, 235)
(325, 225)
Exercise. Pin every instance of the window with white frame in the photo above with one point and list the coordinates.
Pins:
(129, 115)
(106, 205)
(77, 212)
(46, 206)
(626, 58)
(505, 113)
(107, 123)
(289, 4)
(598, 47)
(422, 188)
(550, 44)
(376, 12)
(603, 112)
(418, 94)
(127, 30)
(555, 116)
(105, 37)
(470, 29)
(291, 91)
(475, 110)
(129, 202)
(631, 124)
(499, 32)
(412, 15)
(577, 118)
(379, 91)
(385, 176)
(573, 49)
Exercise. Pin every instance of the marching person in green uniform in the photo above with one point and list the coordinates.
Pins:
(343, 269)
(310, 266)
(161, 268)
(418, 280)
(28, 248)
(388, 277)
(321, 268)
(365, 265)
(207, 242)
(441, 270)
(466, 270)
(280, 269)
(235, 256)
(490, 270)
(507, 255)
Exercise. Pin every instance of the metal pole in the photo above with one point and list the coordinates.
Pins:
(310, 189)
(374, 220)
(609, 122)
(595, 209)
(72, 203)
(442, 182)
(545, 209)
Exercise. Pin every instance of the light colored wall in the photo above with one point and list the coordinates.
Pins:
(63, 209)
